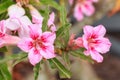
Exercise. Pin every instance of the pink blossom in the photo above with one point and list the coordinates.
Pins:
(36, 16)
(6, 39)
(38, 45)
(83, 7)
(95, 42)
(38, 19)
(75, 43)
(51, 24)
(17, 20)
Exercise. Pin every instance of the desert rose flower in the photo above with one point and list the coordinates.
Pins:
(38, 45)
(51, 24)
(6, 39)
(38, 19)
(83, 7)
(95, 42)
(36, 16)
(75, 43)
(17, 20)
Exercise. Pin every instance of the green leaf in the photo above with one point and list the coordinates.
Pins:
(4, 73)
(66, 59)
(3, 49)
(36, 71)
(14, 57)
(51, 3)
(4, 6)
(61, 68)
(3, 16)
(52, 65)
(62, 29)
(19, 60)
(79, 53)
(46, 17)
(63, 15)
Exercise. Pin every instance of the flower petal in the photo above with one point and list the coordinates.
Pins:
(2, 26)
(35, 31)
(79, 42)
(78, 13)
(96, 56)
(11, 40)
(13, 24)
(100, 30)
(48, 52)
(87, 52)
(48, 37)
(87, 8)
(71, 40)
(15, 11)
(2, 43)
(103, 46)
(36, 17)
(24, 29)
(34, 57)
(88, 30)
(25, 44)
(51, 19)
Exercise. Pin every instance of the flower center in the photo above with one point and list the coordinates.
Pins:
(38, 43)
(92, 40)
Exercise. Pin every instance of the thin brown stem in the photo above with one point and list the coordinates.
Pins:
(72, 8)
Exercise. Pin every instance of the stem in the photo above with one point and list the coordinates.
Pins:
(8, 53)
(72, 8)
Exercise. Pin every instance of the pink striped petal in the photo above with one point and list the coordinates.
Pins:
(34, 56)
(100, 30)
(25, 44)
(78, 13)
(88, 8)
(48, 52)
(96, 56)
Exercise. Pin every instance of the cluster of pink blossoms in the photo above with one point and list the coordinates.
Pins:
(83, 7)
(30, 37)
(19, 30)
(93, 41)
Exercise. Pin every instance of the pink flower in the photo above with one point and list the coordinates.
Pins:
(83, 7)
(6, 39)
(17, 20)
(38, 19)
(95, 42)
(51, 22)
(75, 43)
(38, 45)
